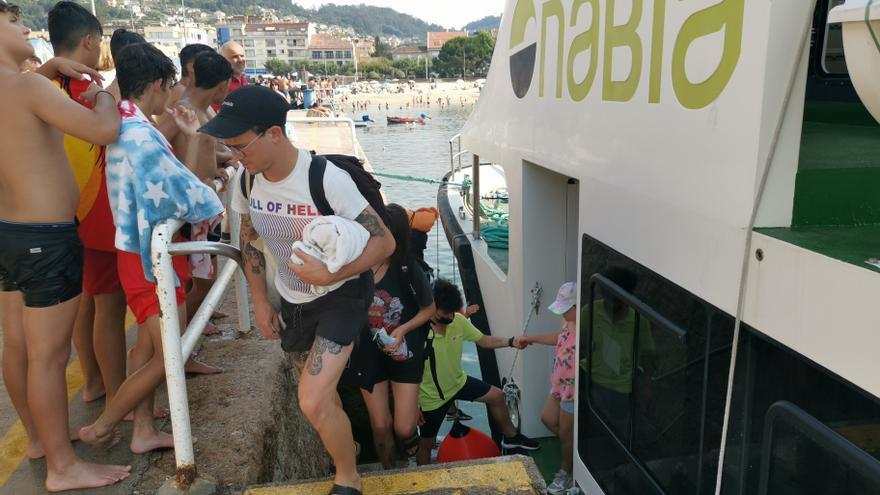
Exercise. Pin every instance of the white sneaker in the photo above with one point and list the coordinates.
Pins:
(561, 483)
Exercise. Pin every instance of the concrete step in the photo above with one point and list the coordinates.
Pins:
(511, 475)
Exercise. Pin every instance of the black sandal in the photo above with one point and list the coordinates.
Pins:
(344, 490)
(410, 446)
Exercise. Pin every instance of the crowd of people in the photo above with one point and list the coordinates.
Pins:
(115, 160)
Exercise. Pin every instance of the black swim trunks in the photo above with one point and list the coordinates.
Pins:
(42, 261)
(472, 390)
(337, 316)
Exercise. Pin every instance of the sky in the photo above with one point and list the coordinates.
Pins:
(448, 13)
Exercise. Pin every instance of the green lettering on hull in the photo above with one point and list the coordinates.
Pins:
(727, 15)
(622, 36)
(588, 40)
(552, 8)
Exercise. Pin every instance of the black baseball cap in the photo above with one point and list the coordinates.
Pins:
(245, 108)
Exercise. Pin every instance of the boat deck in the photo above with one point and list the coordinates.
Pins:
(855, 245)
(836, 205)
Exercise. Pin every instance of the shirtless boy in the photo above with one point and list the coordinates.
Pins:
(40, 251)
(187, 57)
(211, 81)
(146, 184)
(99, 331)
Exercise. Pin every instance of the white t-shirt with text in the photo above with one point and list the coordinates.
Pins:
(281, 210)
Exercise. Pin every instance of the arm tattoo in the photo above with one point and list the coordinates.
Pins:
(252, 256)
(368, 219)
(316, 357)
(255, 259)
(248, 233)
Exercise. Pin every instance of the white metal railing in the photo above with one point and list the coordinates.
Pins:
(455, 155)
(176, 347)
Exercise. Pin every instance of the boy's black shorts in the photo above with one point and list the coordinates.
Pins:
(44, 261)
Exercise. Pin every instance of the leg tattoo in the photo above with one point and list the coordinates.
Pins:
(316, 357)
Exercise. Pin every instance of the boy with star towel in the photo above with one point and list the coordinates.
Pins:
(146, 185)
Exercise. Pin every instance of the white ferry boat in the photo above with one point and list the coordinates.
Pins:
(727, 154)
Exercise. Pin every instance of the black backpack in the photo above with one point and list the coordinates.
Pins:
(367, 185)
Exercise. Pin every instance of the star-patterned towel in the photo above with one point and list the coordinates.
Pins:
(147, 184)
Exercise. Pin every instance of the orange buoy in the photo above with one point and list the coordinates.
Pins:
(464, 443)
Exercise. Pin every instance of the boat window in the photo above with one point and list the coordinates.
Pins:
(833, 59)
(653, 364)
(797, 428)
(800, 454)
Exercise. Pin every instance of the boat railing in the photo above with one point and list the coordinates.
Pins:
(176, 347)
(455, 154)
(330, 120)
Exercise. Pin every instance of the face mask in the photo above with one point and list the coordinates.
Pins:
(445, 321)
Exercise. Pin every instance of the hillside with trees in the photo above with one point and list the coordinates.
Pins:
(365, 20)
(487, 23)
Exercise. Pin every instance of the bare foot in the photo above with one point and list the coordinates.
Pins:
(35, 447)
(35, 450)
(159, 412)
(211, 329)
(92, 393)
(147, 443)
(88, 435)
(85, 475)
(200, 368)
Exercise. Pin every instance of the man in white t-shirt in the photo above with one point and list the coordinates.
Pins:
(251, 123)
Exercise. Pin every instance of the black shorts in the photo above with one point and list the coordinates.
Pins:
(42, 261)
(338, 316)
(473, 389)
(370, 365)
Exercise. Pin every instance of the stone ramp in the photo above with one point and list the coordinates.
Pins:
(511, 475)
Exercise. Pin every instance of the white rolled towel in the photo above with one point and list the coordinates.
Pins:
(333, 240)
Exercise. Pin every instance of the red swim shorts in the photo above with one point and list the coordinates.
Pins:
(140, 294)
(100, 272)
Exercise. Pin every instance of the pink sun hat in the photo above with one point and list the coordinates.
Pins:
(565, 298)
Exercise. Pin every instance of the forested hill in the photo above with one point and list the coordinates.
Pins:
(375, 21)
(366, 20)
(484, 24)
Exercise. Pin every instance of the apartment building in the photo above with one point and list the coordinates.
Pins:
(287, 41)
(170, 39)
(331, 50)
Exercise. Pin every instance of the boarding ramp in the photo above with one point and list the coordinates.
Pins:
(510, 475)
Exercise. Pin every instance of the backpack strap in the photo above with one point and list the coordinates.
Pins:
(432, 362)
(316, 185)
(247, 184)
(407, 277)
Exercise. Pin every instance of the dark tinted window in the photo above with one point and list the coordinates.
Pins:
(651, 372)
(797, 459)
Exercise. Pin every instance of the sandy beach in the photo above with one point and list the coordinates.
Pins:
(421, 96)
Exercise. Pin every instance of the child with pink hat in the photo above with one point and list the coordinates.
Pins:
(558, 413)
